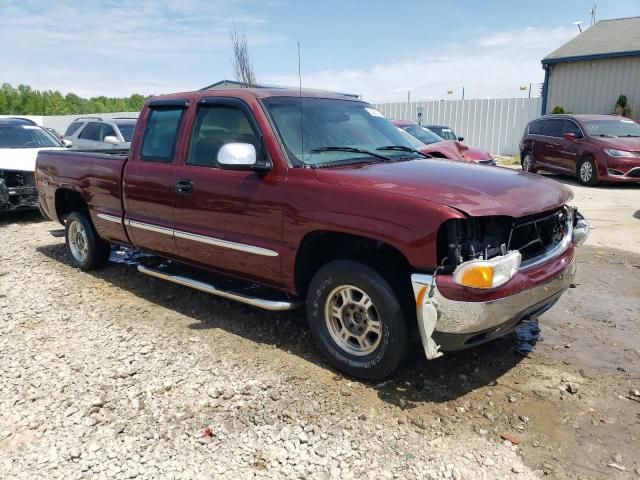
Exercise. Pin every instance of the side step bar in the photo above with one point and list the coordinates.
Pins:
(272, 305)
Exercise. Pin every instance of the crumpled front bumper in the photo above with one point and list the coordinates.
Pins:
(455, 324)
(17, 197)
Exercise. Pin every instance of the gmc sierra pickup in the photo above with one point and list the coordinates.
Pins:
(318, 199)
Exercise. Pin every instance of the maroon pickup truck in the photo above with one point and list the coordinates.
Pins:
(318, 199)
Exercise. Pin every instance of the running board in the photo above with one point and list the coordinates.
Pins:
(272, 305)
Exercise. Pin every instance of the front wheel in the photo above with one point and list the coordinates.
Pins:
(86, 250)
(587, 174)
(356, 320)
(527, 163)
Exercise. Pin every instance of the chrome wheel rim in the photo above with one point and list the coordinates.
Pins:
(586, 171)
(526, 163)
(78, 242)
(352, 320)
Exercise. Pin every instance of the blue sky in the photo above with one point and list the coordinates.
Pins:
(377, 48)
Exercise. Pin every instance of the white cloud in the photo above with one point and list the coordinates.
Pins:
(494, 65)
(121, 47)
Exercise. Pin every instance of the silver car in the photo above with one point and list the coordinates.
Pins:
(95, 133)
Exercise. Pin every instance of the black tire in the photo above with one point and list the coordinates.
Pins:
(528, 166)
(390, 344)
(94, 252)
(587, 172)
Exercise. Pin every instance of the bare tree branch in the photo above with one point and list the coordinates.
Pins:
(241, 61)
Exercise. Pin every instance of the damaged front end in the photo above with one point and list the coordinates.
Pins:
(494, 273)
(17, 190)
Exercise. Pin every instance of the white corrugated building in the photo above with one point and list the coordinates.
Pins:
(590, 72)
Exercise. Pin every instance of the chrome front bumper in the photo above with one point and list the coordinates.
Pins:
(440, 314)
(436, 313)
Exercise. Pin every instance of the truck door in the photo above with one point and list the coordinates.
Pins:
(148, 178)
(228, 220)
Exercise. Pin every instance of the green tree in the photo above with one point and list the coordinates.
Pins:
(23, 100)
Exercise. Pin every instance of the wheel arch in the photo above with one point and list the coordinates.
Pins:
(68, 200)
(322, 246)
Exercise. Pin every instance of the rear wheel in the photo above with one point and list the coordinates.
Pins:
(356, 320)
(587, 172)
(86, 250)
(527, 163)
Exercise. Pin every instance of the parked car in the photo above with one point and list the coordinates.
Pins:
(438, 148)
(593, 148)
(20, 141)
(95, 133)
(444, 131)
(316, 198)
(445, 146)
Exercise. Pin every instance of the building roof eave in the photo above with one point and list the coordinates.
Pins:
(586, 58)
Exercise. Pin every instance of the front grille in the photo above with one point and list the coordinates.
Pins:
(17, 178)
(536, 234)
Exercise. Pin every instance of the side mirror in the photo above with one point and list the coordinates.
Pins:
(461, 139)
(570, 136)
(240, 156)
(111, 139)
(67, 143)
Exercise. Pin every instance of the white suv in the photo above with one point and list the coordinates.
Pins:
(94, 133)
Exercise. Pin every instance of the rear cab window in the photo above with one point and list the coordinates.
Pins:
(161, 133)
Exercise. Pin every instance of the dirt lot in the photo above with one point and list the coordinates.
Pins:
(116, 375)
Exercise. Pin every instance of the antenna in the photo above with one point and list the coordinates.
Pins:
(300, 101)
(579, 25)
(593, 13)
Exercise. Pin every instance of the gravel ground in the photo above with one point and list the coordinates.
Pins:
(113, 374)
(99, 383)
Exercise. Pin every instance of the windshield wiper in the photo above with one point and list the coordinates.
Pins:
(351, 150)
(605, 135)
(630, 135)
(402, 148)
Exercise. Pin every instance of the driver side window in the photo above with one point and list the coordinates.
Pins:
(216, 126)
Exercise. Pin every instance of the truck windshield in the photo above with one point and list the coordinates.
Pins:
(25, 136)
(612, 128)
(318, 131)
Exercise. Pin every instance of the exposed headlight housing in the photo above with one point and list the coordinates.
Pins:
(488, 273)
(612, 152)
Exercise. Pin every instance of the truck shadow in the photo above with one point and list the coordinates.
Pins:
(9, 217)
(416, 382)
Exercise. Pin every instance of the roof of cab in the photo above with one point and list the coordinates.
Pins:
(258, 93)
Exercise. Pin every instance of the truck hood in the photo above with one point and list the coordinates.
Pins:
(23, 159)
(473, 189)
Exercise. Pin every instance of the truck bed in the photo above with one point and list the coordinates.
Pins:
(95, 174)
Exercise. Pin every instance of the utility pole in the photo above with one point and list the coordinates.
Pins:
(462, 93)
(529, 89)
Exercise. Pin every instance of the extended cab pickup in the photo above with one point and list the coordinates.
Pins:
(318, 199)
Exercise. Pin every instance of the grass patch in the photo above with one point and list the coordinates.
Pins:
(513, 160)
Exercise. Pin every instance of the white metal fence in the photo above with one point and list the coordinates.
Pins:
(495, 125)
